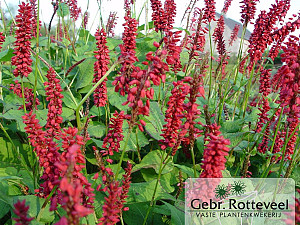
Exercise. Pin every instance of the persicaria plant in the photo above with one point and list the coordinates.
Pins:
(103, 127)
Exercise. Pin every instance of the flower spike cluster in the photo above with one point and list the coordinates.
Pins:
(227, 4)
(72, 189)
(127, 57)
(100, 68)
(214, 153)
(289, 89)
(209, 10)
(248, 10)
(234, 34)
(112, 140)
(22, 59)
(171, 130)
(2, 39)
(114, 202)
(111, 23)
(54, 96)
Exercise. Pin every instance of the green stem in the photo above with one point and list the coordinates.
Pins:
(161, 168)
(91, 92)
(122, 154)
(37, 54)
(194, 161)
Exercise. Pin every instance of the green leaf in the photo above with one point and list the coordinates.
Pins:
(186, 169)
(4, 209)
(113, 43)
(136, 139)
(69, 101)
(116, 99)
(143, 192)
(67, 114)
(137, 213)
(63, 10)
(232, 126)
(83, 34)
(165, 179)
(6, 55)
(177, 216)
(86, 73)
(155, 121)
(96, 129)
(153, 160)
(8, 41)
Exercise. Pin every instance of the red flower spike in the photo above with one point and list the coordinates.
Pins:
(227, 3)
(112, 140)
(125, 184)
(111, 24)
(34, 17)
(100, 68)
(77, 194)
(74, 9)
(22, 59)
(21, 211)
(2, 39)
(85, 20)
(209, 10)
(111, 210)
(248, 10)
(127, 57)
(214, 154)
(158, 15)
(264, 25)
(169, 14)
(54, 96)
(280, 35)
(218, 36)
(288, 78)
(173, 58)
(234, 34)
(171, 130)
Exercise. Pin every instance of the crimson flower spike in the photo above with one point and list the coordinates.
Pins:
(34, 17)
(100, 68)
(169, 14)
(158, 15)
(114, 202)
(127, 57)
(280, 35)
(54, 96)
(289, 84)
(218, 36)
(74, 9)
(227, 4)
(71, 186)
(22, 59)
(209, 10)
(214, 153)
(264, 25)
(234, 34)
(111, 23)
(112, 140)
(171, 130)
(2, 39)
(248, 10)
